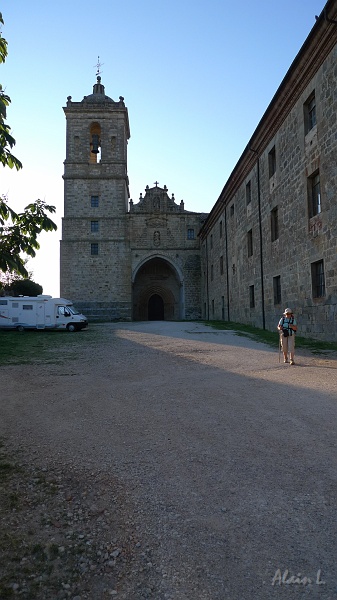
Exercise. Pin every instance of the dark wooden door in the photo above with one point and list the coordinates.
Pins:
(156, 308)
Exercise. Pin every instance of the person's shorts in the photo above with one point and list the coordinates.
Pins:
(288, 343)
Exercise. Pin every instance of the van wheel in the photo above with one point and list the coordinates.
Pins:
(71, 327)
(20, 328)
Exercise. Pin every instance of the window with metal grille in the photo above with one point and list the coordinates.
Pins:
(94, 249)
(94, 201)
(310, 113)
(94, 226)
(221, 265)
(277, 289)
(272, 162)
(274, 224)
(318, 279)
(250, 242)
(248, 193)
(251, 296)
(314, 195)
(190, 234)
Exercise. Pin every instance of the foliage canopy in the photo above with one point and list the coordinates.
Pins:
(18, 231)
(6, 139)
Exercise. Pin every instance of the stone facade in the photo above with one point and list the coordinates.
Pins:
(165, 255)
(121, 260)
(270, 241)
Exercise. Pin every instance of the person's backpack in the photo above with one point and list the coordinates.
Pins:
(286, 331)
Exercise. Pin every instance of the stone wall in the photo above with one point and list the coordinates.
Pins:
(299, 154)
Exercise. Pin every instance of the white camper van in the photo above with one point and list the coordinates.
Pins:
(40, 312)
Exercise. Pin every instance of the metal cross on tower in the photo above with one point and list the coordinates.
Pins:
(98, 67)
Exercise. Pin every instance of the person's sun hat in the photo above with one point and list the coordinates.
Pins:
(288, 311)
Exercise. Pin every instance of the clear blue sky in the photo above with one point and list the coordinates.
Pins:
(196, 78)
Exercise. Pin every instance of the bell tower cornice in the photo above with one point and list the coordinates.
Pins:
(98, 104)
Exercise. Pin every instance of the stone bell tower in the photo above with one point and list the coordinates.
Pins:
(95, 256)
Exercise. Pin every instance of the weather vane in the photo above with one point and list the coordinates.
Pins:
(98, 67)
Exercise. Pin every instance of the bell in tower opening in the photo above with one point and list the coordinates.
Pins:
(95, 144)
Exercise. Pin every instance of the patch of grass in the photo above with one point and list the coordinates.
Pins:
(8, 542)
(6, 592)
(38, 551)
(53, 551)
(272, 338)
(17, 348)
(6, 470)
(13, 501)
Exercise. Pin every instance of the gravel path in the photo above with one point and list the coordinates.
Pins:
(193, 464)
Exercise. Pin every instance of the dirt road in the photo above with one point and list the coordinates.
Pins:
(227, 458)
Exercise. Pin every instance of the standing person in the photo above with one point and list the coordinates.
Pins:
(287, 326)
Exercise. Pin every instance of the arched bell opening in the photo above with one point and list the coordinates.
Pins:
(95, 143)
(157, 292)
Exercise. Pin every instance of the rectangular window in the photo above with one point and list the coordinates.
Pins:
(212, 272)
(274, 224)
(211, 242)
(248, 193)
(190, 234)
(317, 278)
(223, 307)
(272, 162)
(94, 226)
(251, 296)
(277, 289)
(94, 249)
(250, 242)
(221, 229)
(314, 195)
(310, 113)
(3, 302)
(94, 201)
(221, 265)
(27, 307)
(232, 209)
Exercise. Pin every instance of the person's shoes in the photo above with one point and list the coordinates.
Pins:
(285, 360)
(292, 362)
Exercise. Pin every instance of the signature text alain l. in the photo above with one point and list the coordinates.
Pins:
(285, 578)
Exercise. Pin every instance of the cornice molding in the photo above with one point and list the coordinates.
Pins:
(315, 50)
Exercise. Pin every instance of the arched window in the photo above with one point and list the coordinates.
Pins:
(95, 143)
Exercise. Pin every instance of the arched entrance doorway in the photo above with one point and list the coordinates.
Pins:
(156, 308)
(157, 292)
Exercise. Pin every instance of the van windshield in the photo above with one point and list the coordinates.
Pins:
(73, 310)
